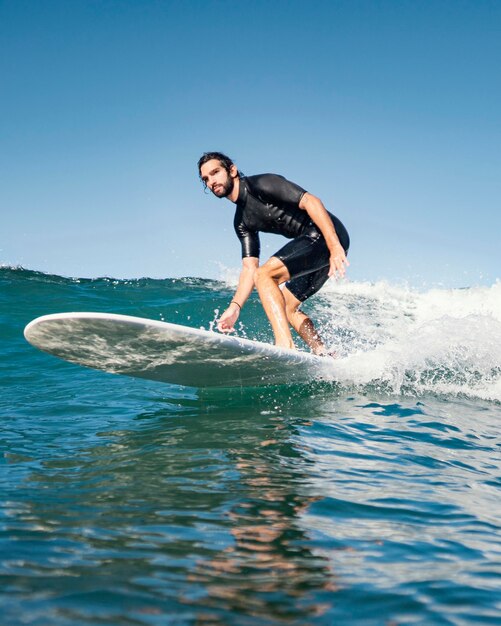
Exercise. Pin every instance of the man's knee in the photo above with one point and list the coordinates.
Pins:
(273, 269)
(259, 274)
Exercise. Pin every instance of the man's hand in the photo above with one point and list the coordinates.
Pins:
(226, 323)
(338, 262)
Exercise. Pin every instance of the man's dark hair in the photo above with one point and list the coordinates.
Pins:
(225, 160)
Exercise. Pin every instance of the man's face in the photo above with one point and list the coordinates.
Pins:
(217, 179)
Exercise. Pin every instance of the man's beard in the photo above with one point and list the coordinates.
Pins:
(226, 189)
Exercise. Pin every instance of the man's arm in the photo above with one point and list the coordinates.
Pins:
(318, 213)
(227, 320)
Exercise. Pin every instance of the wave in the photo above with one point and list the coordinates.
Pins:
(444, 341)
(18, 272)
(390, 338)
(399, 340)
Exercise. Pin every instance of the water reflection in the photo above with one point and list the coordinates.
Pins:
(195, 508)
(269, 569)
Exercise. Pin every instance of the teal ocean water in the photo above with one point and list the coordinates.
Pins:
(371, 499)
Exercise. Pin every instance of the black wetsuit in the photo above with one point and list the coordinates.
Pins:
(269, 203)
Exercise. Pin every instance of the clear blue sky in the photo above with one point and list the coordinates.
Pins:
(388, 110)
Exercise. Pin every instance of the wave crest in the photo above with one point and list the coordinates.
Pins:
(404, 341)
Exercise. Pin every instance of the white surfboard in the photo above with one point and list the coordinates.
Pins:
(155, 350)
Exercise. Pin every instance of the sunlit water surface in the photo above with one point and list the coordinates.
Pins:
(373, 500)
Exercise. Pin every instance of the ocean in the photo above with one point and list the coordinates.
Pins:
(374, 498)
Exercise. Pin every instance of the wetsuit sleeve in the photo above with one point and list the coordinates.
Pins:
(276, 190)
(249, 239)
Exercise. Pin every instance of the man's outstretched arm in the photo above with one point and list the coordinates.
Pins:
(228, 319)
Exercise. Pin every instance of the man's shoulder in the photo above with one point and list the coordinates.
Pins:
(265, 183)
(264, 179)
(274, 187)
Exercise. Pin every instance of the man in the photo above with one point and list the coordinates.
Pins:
(270, 203)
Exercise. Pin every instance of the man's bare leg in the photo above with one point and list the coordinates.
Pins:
(267, 279)
(302, 324)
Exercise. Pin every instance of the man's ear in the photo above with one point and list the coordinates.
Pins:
(233, 171)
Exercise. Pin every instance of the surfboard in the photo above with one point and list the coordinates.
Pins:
(171, 353)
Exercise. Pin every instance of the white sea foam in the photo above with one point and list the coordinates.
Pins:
(405, 341)
(229, 275)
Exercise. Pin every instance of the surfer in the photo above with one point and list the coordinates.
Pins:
(270, 203)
